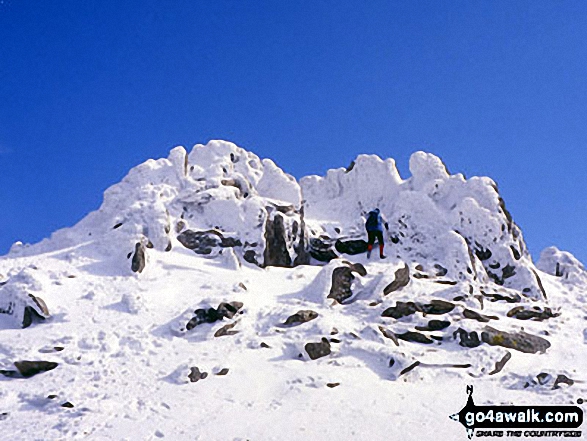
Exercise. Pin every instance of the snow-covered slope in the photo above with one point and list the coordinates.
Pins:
(214, 297)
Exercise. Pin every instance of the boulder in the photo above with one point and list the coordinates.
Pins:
(352, 247)
(300, 317)
(520, 341)
(30, 368)
(195, 374)
(467, 339)
(401, 309)
(415, 337)
(434, 325)
(318, 350)
(205, 242)
(321, 250)
(342, 278)
(437, 307)
(402, 278)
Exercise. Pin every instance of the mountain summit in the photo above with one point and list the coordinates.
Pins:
(218, 268)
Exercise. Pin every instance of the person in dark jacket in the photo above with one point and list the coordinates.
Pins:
(374, 226)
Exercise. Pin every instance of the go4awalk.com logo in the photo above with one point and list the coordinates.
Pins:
(518, 421)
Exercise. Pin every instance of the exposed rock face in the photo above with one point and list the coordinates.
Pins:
(318, 350)
(402, 278)
(520, 341)
(138, 259)
(434, 325)
(276, 252)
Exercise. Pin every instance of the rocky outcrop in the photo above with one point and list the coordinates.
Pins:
(138, 258)
(276, 249)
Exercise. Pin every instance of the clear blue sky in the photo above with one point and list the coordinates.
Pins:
(89, 89)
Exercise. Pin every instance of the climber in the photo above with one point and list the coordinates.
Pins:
(374, 227)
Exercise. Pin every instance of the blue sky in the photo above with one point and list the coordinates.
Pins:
(497, 88)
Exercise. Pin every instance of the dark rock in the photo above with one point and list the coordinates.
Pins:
(204, 242)
(391, 362)
(203, 315)
(409, 368)
(437, 307)
(276, 253)
(4, 416)
(401, 309)
(301, 248)
(300, 317)
(334, 340)
(358, 268)
(496, 297)
(446, 282)
(138, 260)
(321, 250)
(342, 279)
(434, 325)
(265, 345)
(318, 350)
(415, 337)
(35, 310)
(515, 252)
(402, 278)
(562, 379)
(228, 310)
(351, 247)
(226, 330)
(222, 371)
(467, 339)
(501, 363)
(29, 368)
(251, 257)
(539, 282)
(67, 405)
(481, 253)
(331, 385)
(195, 374)
(440, 270)
(536, 313)
(118, 225)
(520, 341)
(508, 271)
(474, 315)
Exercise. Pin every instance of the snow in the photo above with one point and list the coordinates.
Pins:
(126, 353)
